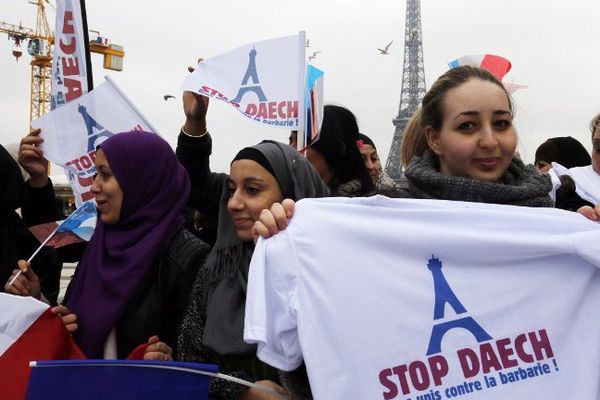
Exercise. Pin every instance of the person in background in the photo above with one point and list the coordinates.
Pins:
(335, 155)
(587, 179)
(16, 241)
(133, 281)
(566, 151)
(569, 153)
(37, 206)
(370, 157)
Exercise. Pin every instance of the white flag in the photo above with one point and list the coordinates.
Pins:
(70, 65)
(72, 132)
(263, 80)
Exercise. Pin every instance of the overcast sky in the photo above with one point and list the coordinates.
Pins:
(553, 46)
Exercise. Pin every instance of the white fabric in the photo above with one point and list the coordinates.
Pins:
(17, 313)
(347, 289)
(69, 66)
(263, 80)
(72, 132)
(587, 181)
(556, 184)
(110, 346)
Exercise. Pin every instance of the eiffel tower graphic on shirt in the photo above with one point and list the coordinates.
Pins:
(95, 131)
(250, 74)
(443, 295)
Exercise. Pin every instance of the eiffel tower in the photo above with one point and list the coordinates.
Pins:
(250, 74)
(95, 131)
(444, 295)
(413, 84)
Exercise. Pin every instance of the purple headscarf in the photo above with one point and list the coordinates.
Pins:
(155, 190)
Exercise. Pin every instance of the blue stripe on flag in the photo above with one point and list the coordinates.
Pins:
(118, 380)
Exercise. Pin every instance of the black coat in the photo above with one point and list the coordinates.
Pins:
(160, 303)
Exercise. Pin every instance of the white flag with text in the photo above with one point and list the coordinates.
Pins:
(72, 132)
(263, 80)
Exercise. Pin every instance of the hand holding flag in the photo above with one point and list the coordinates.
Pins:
(79, 227)
(24, 282)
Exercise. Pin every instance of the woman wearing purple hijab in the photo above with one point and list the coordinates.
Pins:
(133, 282)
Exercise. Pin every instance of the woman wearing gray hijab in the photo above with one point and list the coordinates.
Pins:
(212, 330)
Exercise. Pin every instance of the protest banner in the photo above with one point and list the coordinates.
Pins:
(264, 80)
(429, 300)
(71, 64)
(72, 132)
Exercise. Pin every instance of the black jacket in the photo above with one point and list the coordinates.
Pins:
(159, 304)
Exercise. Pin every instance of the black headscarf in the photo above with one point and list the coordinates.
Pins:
(16, 242)
(566, 151)
(228, 262)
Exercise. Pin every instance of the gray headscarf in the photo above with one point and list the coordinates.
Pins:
(228, 262)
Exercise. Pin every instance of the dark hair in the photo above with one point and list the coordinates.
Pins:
(432, 110)
(366, 140)
(566, 151)
(337, 145)
(594, 124)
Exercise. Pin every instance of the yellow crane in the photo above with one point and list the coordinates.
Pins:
(40, 41)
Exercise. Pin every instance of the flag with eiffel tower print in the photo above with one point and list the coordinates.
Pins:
(263, 80)
(72, 132)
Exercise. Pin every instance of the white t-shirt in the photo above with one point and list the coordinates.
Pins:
(587, 181)
(395, 299)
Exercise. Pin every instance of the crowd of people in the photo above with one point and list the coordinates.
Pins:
(159, 283)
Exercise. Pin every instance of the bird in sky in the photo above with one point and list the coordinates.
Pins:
(168, 96)
(385, 51)
(313, 55)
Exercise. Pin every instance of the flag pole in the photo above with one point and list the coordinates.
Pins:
(162, 365)
(33, 255)
(301, 136)
(130, 103)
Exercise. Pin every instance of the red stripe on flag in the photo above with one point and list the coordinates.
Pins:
(499, 66)
(45, 339)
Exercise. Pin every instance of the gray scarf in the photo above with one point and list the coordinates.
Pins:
(229, 259)
(520, 185)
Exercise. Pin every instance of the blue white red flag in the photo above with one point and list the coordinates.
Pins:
(78, 227)
(29, 331)
(314, 103)
(497, 65)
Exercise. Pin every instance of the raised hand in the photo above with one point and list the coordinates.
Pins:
(31, 157)
(195, 108)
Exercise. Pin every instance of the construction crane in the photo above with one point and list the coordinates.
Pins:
(39, 47)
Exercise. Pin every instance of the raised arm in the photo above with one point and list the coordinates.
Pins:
(194, 147)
